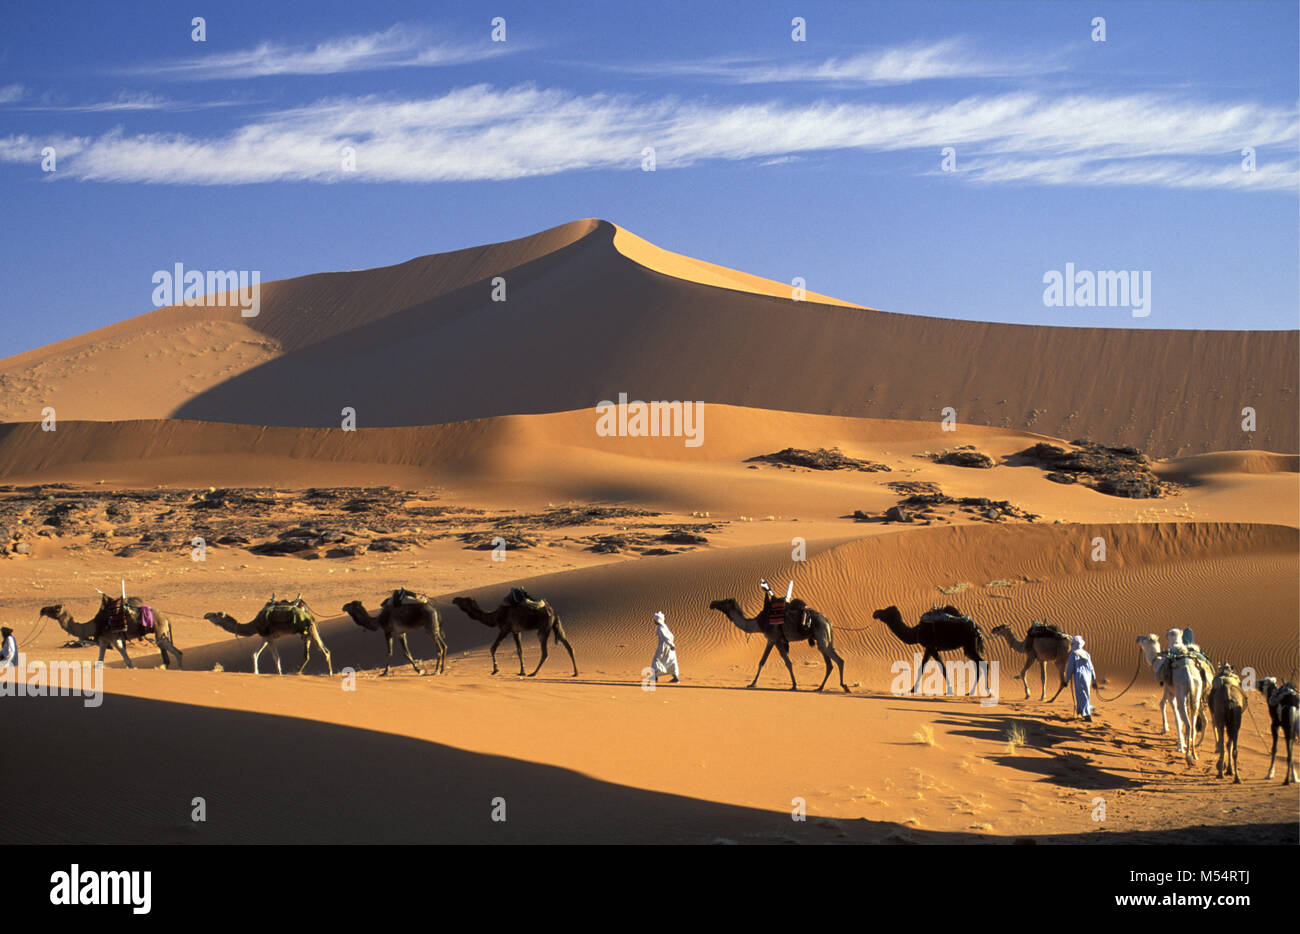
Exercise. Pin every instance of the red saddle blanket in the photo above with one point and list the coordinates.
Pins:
(776, 612)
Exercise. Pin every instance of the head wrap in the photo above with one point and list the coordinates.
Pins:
(1076, 642)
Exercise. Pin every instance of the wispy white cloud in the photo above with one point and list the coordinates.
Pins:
(127, 101)
(395, 47)
(942, 59)
(484, 133)
(10, 93)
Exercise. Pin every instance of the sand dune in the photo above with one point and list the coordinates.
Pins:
(589, 314)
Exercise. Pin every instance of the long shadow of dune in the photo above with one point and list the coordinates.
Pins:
(129, 771)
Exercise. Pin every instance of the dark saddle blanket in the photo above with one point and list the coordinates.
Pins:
(779, 610)
(404, 597)
(517, 596)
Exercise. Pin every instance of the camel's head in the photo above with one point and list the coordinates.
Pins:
(1001, 628)
(215, 617)
(53, 612)
(724, 606)
(1266, 686)
(886, 613)
(357, 611)
(463, 603)
(1150, 640)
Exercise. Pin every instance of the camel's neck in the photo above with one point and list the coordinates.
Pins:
(232, 625)
(475, 612)
(1012, 641)
(742, 622)
(72, 627)
(905, 633)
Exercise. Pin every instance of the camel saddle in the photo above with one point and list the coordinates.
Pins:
(517, 596)
(937, 613)
(298, 607)
(1177, 656)
(1041, 630)
(403, 597)
(121, 613)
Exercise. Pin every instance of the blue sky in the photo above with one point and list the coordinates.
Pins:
(819, 159)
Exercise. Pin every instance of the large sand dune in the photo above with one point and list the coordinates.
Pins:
(592, 311)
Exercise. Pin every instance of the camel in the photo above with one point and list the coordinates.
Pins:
(1158, 660)
(96, 629)
(514, 618)
(1227, 704)
(1155, 658)
(399, 620)
(1284, 713)
(939, 635)
(271, 623)
(1190, 690)
(1042, 646)
(820, 633)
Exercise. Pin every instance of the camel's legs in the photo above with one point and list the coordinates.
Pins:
(829, 653)
(103, 647)
(120, 645)
(1029, 660)
(785, 657)
(543, 636)
(929, 654)
(306, 652)
(1042, 674)
(559, 634)
(439, 646)
(166, 645)
(388, 662)
(761, 662)
(408, 654)
(257, 653)
(979, 666)
(275, 653)
(442, 653)
(1165, 699)
(314, 633)
(519, 650)
(1272, 756)
(499, 638)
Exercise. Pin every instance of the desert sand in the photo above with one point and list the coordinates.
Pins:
(230, 431)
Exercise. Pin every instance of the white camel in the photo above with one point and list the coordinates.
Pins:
(1155, 658)
(1191, 688)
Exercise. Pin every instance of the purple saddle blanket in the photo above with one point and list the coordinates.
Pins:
(146, 618)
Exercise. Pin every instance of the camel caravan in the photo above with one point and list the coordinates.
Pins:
(1200, 695)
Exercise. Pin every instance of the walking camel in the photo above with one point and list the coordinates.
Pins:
(1042, 644)
(514, 618)
(398, 620)
(937, 634)
(819, 633)
(272, 622)
(1284, 714)
(1227, 704)
(97, 629)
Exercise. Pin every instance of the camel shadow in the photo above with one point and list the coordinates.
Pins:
(1064, 767)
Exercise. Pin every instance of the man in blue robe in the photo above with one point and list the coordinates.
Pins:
(1079, 672)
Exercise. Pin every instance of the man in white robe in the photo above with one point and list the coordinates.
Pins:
(665, 660)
